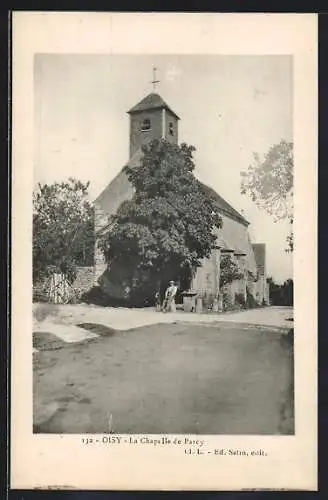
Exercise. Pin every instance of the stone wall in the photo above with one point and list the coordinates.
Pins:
(101, 221)
(170, 118)
(207, 277)
(261, 290)
(235, 236)
(84, 279)
(140, 137)
(100, 266)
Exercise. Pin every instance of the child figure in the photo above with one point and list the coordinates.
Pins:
(157, 301)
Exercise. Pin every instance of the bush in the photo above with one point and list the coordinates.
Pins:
(95, 296)
(240, 300)
(227, 302)
(40, 296)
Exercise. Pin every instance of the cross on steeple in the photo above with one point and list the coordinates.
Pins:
(154, 81)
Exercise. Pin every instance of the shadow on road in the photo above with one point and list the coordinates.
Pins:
(102, 330)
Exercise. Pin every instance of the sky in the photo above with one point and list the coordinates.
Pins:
(230, 107)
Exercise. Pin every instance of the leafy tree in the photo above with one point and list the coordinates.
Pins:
(269, 183)
(63, 228)
(229, 271)
(168, 227)
(281, 295)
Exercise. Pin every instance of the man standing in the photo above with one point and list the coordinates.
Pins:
(169, 300)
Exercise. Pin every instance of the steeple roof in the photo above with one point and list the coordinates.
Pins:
(151, 101)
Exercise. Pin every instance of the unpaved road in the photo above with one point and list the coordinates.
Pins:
(174, 378)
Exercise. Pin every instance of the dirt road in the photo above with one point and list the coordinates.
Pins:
(178, 378)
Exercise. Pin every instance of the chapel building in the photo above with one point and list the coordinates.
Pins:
(151, 119)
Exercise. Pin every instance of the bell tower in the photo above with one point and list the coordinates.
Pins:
(152, 119)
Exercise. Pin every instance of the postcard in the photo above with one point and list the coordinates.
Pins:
(164, 207)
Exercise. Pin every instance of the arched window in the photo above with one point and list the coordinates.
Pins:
(145, 124)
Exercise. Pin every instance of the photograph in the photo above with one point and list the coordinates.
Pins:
(163, 253)
(163, 244)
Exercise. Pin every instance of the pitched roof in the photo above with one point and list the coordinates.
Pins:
(120, 189)
(224, 206)
(151, 101)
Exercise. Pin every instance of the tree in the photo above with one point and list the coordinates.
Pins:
(229, 271)
(269, 183)
(281, 295)
(168, 227)
(63, 228)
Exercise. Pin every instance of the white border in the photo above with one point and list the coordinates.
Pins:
(61, 461)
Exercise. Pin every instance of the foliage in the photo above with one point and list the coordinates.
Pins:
(63, 228)
(251, 276)
(269, 183)
(227, 302)
(281, 295)
(240, 299)
(168, 226)
(229, 271)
